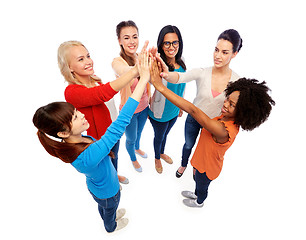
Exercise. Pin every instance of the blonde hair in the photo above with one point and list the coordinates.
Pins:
(63, 64)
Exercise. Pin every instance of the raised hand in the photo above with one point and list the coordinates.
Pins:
(156, 79)
(143, 64)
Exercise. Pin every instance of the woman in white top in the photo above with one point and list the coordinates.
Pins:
(211, 83)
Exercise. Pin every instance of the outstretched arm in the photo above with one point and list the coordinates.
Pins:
(143, 64)
(216, 128)
(124, 79)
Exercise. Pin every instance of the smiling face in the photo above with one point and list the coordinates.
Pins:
(223, 53)
(80, 63)
(79, 124)
(229, 107)
(172, 39)
(129, 40)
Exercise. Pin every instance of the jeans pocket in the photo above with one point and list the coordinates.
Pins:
(117, 197)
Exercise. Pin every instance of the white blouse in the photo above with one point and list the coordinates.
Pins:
(204, 99)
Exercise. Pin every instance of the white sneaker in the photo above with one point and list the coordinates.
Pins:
(120, 213)
(192, 203)
(121, 223)
(189, 194)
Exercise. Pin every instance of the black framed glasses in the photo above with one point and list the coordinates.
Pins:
(175, 44)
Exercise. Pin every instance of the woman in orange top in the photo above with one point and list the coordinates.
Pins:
(247, 105)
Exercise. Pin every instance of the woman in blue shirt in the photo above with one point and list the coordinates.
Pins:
(163, 114)
(61, 120)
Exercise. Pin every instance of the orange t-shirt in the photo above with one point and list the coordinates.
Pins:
(209, 155)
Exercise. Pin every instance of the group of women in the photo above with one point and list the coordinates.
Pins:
(220, 97)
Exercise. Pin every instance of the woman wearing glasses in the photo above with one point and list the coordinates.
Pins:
(127, 33)
(211, 83)
(163, 114)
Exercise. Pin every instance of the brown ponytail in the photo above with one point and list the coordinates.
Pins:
(51, 119)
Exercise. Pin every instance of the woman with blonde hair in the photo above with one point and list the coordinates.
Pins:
(86, 91)
(89, 156)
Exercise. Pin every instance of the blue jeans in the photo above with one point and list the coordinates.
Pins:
(107, 209)
(192, 129)
(202, 184)
(133, 132)
(161, 130)
(115, 150)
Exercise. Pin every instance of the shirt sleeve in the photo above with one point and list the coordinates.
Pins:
(190, 75)
(120, 66)
(98, 150)
(80, 96)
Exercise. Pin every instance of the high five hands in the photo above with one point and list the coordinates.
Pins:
(150, 63)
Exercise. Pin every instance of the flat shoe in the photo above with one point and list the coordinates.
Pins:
(192, 203)
(142, 155)
(137, 169)
(189, 194)
(178, 174)
(120, 213)
(158, 169)
(167, 159)
(121, 223)
(125, 181)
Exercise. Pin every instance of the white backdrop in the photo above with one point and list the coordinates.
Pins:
(260, 193)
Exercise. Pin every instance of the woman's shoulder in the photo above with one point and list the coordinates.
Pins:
(71, 87)
(235, 76)
(119, 60)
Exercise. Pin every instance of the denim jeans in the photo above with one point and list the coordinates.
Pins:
(161, 130)
(202, 184)
(192, 129)
(107, 209)
(133, 132)
(115, 150)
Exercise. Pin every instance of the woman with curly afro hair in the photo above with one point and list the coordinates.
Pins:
(247, 105)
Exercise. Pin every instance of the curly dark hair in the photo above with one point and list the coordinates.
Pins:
(254, 104)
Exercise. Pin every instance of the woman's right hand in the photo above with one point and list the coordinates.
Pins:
(164, 68)
(156, 79)
(143, 63)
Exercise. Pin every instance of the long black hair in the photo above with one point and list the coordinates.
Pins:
(160, 41)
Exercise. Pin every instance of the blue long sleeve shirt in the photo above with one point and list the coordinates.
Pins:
(94, 162)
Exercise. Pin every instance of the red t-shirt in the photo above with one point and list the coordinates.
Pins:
(90, 102)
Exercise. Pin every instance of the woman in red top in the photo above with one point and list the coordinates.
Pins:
(87, 92)
(247, 105)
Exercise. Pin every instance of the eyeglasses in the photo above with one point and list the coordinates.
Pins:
(175, 44)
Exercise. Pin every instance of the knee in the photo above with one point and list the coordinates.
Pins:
(130, 142)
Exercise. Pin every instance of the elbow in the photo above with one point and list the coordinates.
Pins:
(194, 111)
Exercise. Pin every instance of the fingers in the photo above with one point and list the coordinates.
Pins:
(144, 48)
(154, 70)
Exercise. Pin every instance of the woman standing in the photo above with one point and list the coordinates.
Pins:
(127, 33)
(87, 155)
(247, 105)
(86, 91)
(163, 114)
(211, 83)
